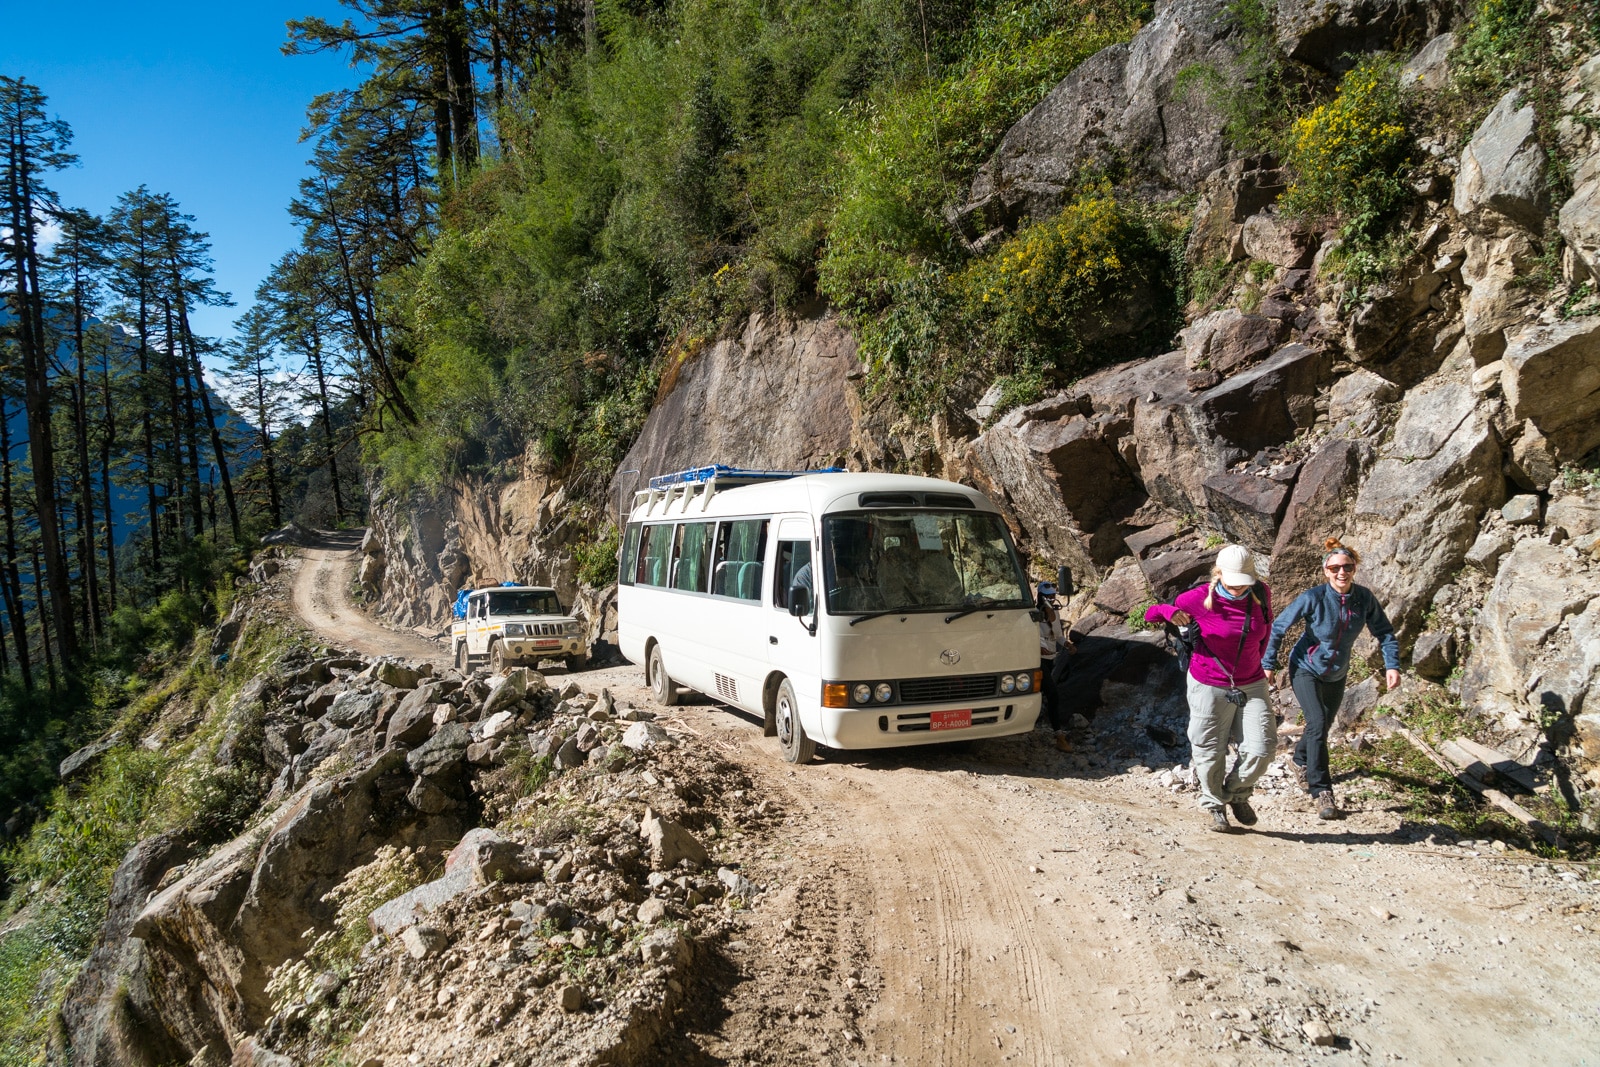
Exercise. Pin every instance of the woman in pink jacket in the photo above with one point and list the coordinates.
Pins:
(1227, 687)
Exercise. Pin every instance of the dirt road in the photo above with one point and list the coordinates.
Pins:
(322, 600)
(1010, 904)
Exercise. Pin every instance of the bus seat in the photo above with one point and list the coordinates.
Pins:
(725, 580)
(750, 581)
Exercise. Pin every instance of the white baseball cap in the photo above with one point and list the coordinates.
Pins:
(1238, 566)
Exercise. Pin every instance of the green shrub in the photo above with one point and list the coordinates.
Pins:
(1256, 94)
(1065, 276)
(597, 560)
(1498, 44)
(1351, 159)
(174, 619)
(1350, 154)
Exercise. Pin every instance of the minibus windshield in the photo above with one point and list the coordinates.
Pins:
(888, 561)
(524, 602)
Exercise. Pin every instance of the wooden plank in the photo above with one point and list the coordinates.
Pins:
(1493, 796)
(1502, 764)
(1466, 762)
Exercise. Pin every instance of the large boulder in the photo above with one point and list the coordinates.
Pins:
(1229, 196)
(776, 395)
(1246, 507)
(1418, 511)
(1332, 35)
(1184, 438)
(214, 936)
(1580, 216)
(1502, 168)
(1496, 297)
(109, 1019)
(1120, 106)
(1064, 480)
(1318, 508)
(1536, 640)
(1550, 374)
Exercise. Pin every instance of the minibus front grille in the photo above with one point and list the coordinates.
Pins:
(944, 690)
(915, 721)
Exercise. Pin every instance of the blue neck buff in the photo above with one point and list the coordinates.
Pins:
(1231, 596)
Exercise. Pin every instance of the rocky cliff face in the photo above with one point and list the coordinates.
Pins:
(1427, 421)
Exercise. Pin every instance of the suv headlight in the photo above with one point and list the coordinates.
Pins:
(513, 629)
(573, 627)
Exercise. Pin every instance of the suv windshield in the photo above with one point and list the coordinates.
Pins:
(525, 602)
(920, 561)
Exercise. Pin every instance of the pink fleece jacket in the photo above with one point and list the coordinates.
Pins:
(1218, 653)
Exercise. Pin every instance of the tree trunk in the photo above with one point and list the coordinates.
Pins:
(36, 395)
(327, 422)
(87, 563)
(13, 579)
(217, 450)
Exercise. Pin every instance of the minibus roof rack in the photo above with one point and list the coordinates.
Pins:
(701, 483)
(727, 476)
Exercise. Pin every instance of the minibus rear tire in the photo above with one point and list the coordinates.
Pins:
(662, 687)
(797, 747)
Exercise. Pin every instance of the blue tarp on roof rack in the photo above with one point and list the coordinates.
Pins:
(724, 473)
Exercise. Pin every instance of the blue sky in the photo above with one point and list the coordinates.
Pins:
(191, 99)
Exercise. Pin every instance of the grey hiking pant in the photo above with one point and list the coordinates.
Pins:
(1213, 723)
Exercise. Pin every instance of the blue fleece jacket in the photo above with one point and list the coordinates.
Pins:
(1333, 620)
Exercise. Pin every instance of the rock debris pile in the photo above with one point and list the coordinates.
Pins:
(589, 856)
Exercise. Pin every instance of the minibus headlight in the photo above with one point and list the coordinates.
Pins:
(1024, 681)
(1007, 683)
(884, 692)
(862, 692)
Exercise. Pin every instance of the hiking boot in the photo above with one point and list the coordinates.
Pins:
(1219, 821)
(1326, 808)
(1062, 741)
(1243, 812)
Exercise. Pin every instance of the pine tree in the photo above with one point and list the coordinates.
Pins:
(252, 374)
(36, 143)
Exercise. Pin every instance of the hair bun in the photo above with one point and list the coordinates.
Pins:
(1330, 544)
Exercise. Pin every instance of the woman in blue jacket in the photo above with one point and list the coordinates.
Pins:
(1334, 613)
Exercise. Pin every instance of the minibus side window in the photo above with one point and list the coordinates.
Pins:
(629, 564)
(793, 557)
(657, 551)
(689, 561)
(736, 570)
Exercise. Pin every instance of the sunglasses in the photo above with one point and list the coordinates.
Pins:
(1339, 567)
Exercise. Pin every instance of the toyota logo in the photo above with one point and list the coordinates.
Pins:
(950, 657)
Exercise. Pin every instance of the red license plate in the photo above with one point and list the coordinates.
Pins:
(950, 720)
(546, 644)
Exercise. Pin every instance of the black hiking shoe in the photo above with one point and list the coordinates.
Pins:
(1326, 808)
(1243, 812)
(1219, 821)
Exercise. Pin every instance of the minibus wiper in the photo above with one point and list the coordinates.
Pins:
(982, 605)
(877, 615)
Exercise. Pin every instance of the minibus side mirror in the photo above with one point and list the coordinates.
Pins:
(1064, 582)
(799, 601)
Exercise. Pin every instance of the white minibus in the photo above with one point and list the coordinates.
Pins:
(918, 628)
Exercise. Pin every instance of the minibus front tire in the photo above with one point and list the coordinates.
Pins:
(797, 747)
(662, 687)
